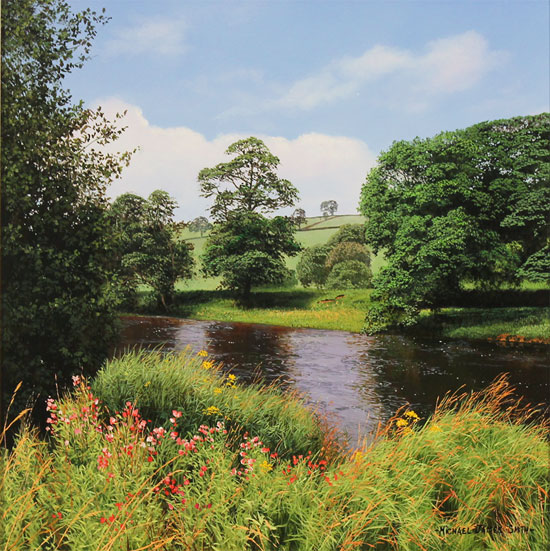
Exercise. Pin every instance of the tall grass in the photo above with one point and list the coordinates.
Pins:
(106, 480)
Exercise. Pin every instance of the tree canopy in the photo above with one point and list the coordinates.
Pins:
(149, 248)
(245, 247)
(57, 314)
(200, 224)
(471, 205)
(329, 208)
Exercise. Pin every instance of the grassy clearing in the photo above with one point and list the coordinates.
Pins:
(287, 307)
(489, 323)
(114, 481)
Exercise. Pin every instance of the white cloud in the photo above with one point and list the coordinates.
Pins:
(158, 36)
(322, 167)
(448, 65)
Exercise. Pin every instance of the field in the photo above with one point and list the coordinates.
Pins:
(315, 231)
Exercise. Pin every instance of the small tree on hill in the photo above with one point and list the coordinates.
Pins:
(245, 247)
(328, 208)
(299, 217)
(200, 224)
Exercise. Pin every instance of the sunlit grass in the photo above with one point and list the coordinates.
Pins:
(115, 481)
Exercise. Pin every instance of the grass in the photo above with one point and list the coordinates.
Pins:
(295, 307)
(113, 481)
(489, 323)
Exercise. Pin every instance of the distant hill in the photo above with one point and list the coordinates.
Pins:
(316, 230)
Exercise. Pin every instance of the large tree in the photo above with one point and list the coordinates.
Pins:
(466, 206)
(329, 208)
(200, 224)
(245, 247)
(57, 317)
(149, 248)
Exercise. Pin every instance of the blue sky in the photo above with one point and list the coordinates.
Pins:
(326, 84)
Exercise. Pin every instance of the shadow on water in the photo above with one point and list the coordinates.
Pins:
(358, 379)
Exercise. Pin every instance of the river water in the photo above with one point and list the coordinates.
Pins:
(357, 380)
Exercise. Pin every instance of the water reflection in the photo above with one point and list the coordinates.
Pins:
(360, 380)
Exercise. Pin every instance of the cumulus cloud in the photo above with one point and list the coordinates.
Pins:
(158, 36)
(322, 167)
(447, 65)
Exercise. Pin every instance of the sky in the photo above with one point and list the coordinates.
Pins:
(326, 84)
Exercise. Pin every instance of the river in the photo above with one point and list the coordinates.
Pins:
(357, 380)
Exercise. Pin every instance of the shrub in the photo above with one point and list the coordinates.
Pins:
(347, 250)
(350, 274)
(311, 269)
(348, 233)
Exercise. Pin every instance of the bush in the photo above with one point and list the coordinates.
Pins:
(348, 233)
(347, 250)
(311, 268)
(350, 274)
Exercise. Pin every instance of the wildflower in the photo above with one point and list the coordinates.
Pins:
(218, 390)
(266, 467)
(435, 428)
(176, 413)
(76, 380)
(401, 423)
(207, 364)
(202, 353)
(212, 410)
(412, 415)
(147, 384)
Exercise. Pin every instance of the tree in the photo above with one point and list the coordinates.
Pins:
(58, 316)
(299, 217)
(311, 268)
(150, 250)
(350, 274)
(348, 233)
(328, 208)
(470, 205)
(347, 250)
(200, 224)
(245, 247)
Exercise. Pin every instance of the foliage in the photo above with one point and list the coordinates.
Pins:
(248, 250)
(477, 465)
(247, 183)
(311, 268)
(329, 208)
(348, 233)
(149, 249)
(200, 224)
(349, 274)
(470, 205)
(245, 247)
(345, 251)
(58, 314)
(299, 217)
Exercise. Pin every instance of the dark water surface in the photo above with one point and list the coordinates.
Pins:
(357, 379)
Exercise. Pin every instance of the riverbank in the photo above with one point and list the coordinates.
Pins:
(167, 451)
(344, 310)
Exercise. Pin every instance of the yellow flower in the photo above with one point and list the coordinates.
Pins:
(435, 428)
(147, 384)
(207, 365)
(412, 415)
(266, 467)
(232, 378)
(401, 423)
(212, 410)
(202, 353)
(357, 456)
(218, 390)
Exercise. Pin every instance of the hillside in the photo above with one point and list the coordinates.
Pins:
(315, 231)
